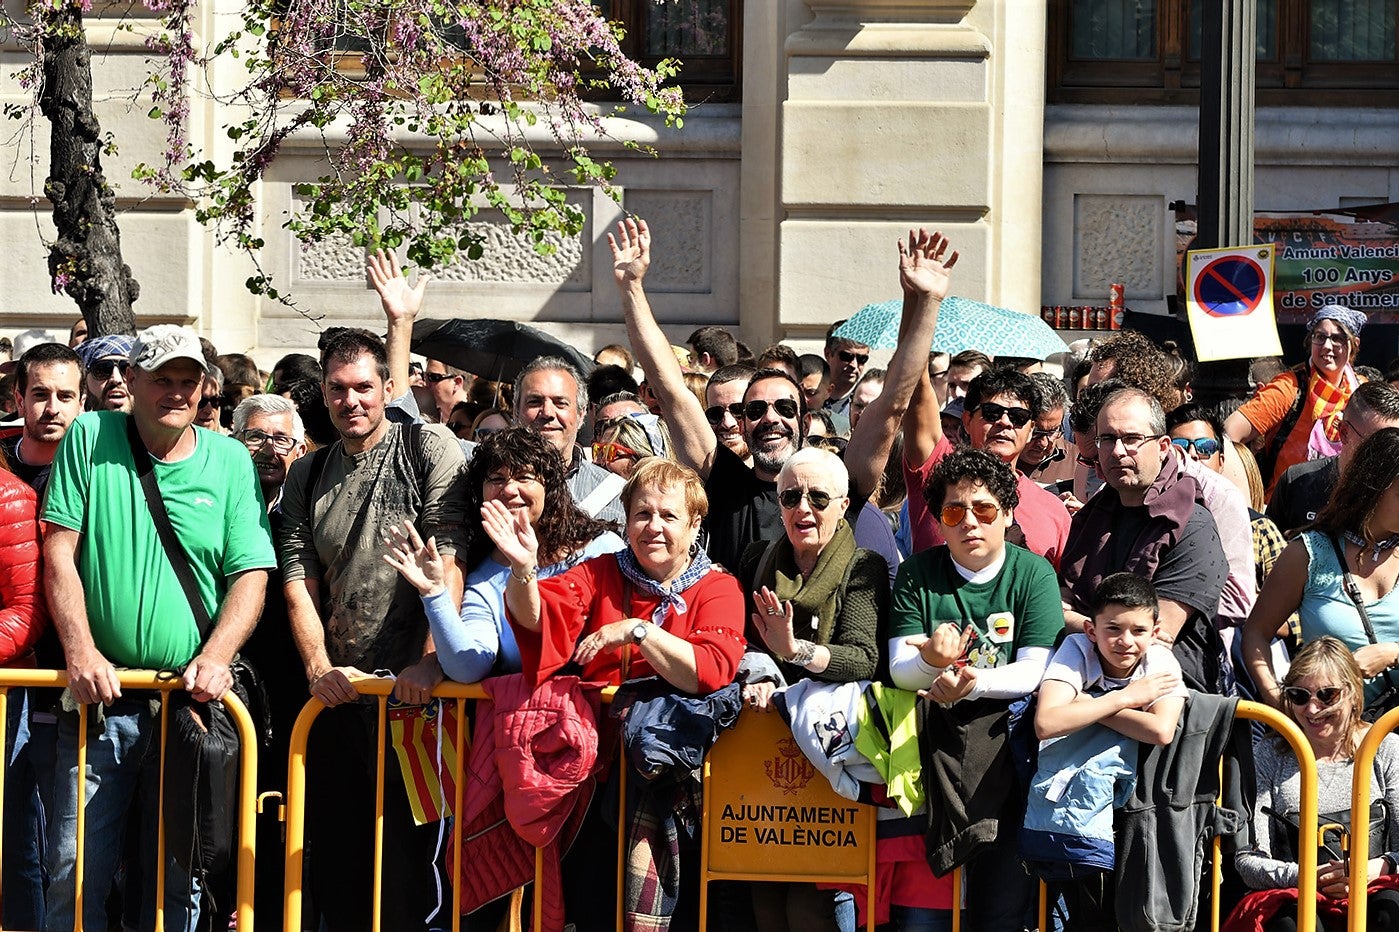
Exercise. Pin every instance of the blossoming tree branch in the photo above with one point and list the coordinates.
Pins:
(418, 106)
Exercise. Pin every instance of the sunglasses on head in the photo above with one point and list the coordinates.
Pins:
(1326, 695)
(1205, 446)
(953, 515)
(818, 500)
(992, 412)
(847, 356)
(608, 452)
(786, 407)
(102, 369)
(715, 413)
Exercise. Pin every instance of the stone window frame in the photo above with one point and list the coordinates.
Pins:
(1289, 77)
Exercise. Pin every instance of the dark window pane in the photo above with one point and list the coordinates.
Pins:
(687, 27)
(1352, 30)
(1266, 30)
(1113, 29)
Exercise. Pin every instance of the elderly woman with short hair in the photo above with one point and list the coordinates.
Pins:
(817, 600)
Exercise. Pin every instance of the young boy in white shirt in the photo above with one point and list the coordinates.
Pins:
(1113, 675)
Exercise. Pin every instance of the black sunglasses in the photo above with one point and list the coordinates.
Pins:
(786, 407)
(715, 413)
(992, 412)
(791, 498)
(102, 369)
(211, 401)
(847, 356)
(1326, 695)
(435, 377)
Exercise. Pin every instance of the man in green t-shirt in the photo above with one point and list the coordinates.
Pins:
(116, 602)
(972, 623)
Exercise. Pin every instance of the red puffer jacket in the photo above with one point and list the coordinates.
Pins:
(23, 615)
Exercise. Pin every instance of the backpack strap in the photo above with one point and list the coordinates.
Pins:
(1268, 461)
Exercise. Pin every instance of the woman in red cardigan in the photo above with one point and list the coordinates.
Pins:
(657, 607)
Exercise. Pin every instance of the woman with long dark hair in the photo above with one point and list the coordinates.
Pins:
(1339, 576)
(520, 470)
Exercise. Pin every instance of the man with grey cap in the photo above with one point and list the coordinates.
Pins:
(1298, 412)
(106, 364)
(117, 602)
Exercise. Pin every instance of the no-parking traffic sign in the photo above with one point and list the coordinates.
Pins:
(1229, 302)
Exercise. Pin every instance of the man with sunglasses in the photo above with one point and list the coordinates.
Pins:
(448, 385)
(723, 407)
(1305, 487)
(999, 413)
(1044, 458)
(1147, 520)
(847, 360)
(106, 365)
(743, 505)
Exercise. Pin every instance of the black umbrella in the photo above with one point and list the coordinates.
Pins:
(492, 349)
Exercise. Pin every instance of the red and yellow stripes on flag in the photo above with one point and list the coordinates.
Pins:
(424, 741)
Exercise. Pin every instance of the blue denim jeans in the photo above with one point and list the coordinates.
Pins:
(123, 770)
(22, 872)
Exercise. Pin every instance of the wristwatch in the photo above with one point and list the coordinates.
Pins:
(638, 634)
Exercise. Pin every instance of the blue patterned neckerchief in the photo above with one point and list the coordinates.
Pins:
(669, 595)
(1389, 543)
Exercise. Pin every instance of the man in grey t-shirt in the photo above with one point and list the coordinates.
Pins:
(351, 614)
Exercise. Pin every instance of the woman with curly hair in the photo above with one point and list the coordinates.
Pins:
(519, 469)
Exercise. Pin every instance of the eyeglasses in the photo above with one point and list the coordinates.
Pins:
(1038, 434)
(459, 428)
(755, 410)
(953, 515)
(102, 369)
(1321, 339)
(818, 500)
(255, 440)
(211, 401)
(715, 413)
(1327, 696)
(1204, 446)
(1085, 461)
(608, 452)
(483, 432)
(1130, 442)
(847, 356)
(435, 377)
(992, 412)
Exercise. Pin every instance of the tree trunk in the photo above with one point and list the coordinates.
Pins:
(85, 261)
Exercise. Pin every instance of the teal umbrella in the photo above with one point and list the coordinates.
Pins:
(963, 324)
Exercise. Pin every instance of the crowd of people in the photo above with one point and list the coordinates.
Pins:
(988, 595)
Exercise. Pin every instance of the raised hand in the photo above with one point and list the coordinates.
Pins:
(399, 299)
(922, 266)
(773, 620)
(512, 534)
(631, 251)
(415, 561)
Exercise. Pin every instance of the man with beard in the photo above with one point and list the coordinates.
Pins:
(105, 362)
(49, 394)
(999, 413)
(743, 503)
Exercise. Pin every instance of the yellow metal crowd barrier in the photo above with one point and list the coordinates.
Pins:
(247, 783)
(1360, 814)
(857, 864)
